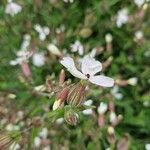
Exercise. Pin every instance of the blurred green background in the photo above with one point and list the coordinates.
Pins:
(89, 22)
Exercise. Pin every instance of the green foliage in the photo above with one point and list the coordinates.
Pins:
(130, 59)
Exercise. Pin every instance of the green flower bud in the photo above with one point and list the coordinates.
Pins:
(71, 117)
(76, 95)
(85, 32)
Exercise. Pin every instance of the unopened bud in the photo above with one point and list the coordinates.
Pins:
(123, 144)
(76, 95)
(71, 117)
(108, 38)
(58, 104)
(61, 97)
(133, 81)
(85, 32)
(113, 117)
(40, 88)
(11, 96)
(110, 130)
(63, 94)
(26, 69)
(54, 50)
(102, 108)
(101, 120)
(62, 77)
(111, 135)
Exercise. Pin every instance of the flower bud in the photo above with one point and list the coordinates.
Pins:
(85, 32)
(61, 97)
(123, 144)
(108, 38)
(111, 135)
(71, 117)
(63, 94)
(57, 104)
(26, 69)
(102, 108)
(133, 81)
(62, 77)
(54, 50)
(76, 95)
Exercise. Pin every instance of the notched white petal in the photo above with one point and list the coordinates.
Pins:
(77, 73)
(102, 81)
(69, 64)
(90, 66)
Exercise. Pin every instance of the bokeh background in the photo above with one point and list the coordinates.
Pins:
(118, 31)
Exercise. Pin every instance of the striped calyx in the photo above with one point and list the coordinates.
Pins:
(71, 117)
(5, 141)
(76, 95)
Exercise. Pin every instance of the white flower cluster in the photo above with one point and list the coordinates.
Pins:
(23, 54)
(43, 31)
(122, 17)
(12, 8)
(77, 47)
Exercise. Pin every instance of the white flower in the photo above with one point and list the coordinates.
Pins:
(12, 8)
(147, 146)
(26, 42)
(102, 108)
(93, 52)
(43, 31)
(38, 59)
(43, 134)
(112, 116)
(23, 56)
(88, 111)
(37, 141)
(122, 17)
(139, 3)
(77, 47)
(133, 81)
(139, 35)
(89, 68)
(53, 49)
(115, 92)
(14, 146)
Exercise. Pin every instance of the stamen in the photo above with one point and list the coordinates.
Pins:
(88, 76)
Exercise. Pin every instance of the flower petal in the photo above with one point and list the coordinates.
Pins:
(90, 66)
(68, 62)
(102, 81)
